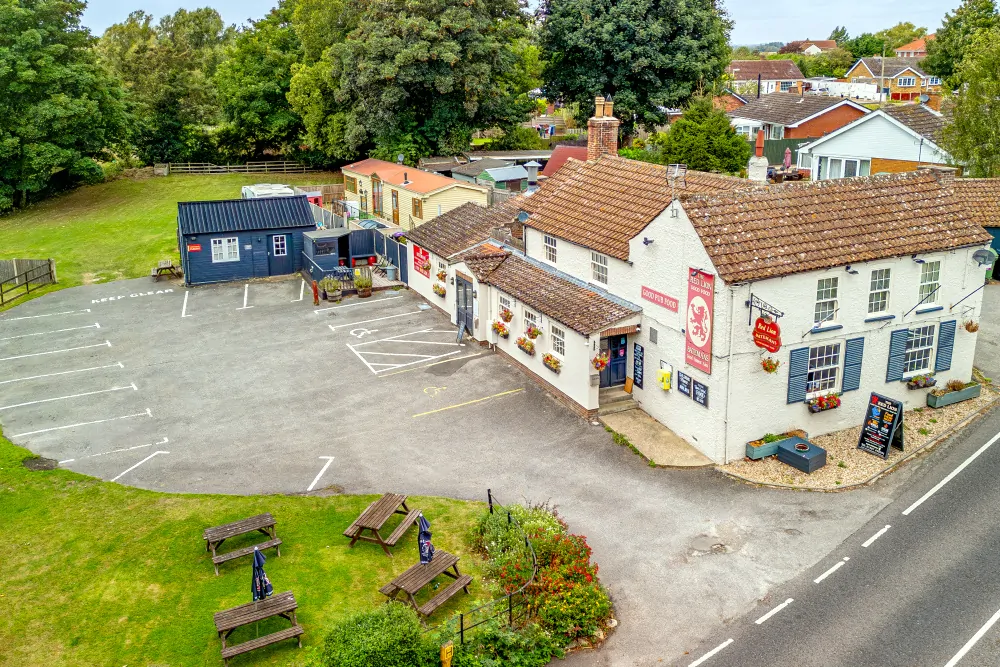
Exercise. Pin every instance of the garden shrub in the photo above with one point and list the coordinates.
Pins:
(388, 636)
(496, 645)
(575, 611)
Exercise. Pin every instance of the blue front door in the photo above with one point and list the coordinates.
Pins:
(279, 258)
(614, 374)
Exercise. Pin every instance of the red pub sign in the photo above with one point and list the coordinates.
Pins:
(698, 332)
(767, 334)
(421, 259)
(194, 247)
(660, 299)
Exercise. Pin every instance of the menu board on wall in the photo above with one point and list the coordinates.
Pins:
(883, 426)
(638, 362)
(684, 383)
(700, 393)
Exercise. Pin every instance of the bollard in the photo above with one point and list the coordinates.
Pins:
(315, 287)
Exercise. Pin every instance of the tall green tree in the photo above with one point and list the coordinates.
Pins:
(649, 55)
(973, 137)
(866, 44)
(839, 34)
(60, 109)
(947, 49)
(899, 34)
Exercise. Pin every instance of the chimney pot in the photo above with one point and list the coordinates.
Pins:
(609, 108)
(602, 130)
(759, 146)
(599, 107)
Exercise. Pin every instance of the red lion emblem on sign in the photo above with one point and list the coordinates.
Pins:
(699, 322)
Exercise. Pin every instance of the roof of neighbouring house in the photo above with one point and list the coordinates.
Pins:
(559, 157)
(475, 168)
(893, 66)
(823, 44)
(419, 181)
(540, 154)
(981, 196)
(790, 109)
(921, 119)
(605, 203)
(769, 70)
(512, 173)
(792, 228)
(542, 288)
(244, 215)
(916, 45)
(463, 227)
(441, 162)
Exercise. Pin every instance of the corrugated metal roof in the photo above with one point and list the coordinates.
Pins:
(499, 174)
(243, 215)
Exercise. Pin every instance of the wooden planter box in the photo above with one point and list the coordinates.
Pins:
(953, 396)
(768, 449)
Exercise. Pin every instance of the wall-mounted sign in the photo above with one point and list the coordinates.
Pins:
(883, 426)
(638, 361)
(684, 383)
(700, 393)
(767, 334)
(421, 261)
(698, 331)
(660, 299)
(194, 247)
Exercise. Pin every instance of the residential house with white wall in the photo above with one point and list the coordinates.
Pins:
(775, 76)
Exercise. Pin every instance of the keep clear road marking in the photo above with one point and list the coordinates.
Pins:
(122, 449)
(774, 611)
(138, 464)
(972, 642)
(62, 398)
(329, 460)
(947, 479)
(711, 653)
(246, 295)
(870, 540)
(831, 570)
(95, 325)
(32, 317)
(79, 370)
(377, 319)
(478, 400)
(352, 305)
(184, 309)
(147, 413)
(106, 343)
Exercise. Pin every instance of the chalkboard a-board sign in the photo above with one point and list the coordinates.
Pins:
(700, 394)
(684, 383)
(638, 360)
(883, 426)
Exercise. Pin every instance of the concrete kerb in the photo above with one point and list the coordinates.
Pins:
(925, 448)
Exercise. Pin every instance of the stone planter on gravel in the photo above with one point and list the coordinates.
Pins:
(972, 391)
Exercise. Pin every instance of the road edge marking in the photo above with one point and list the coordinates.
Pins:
(774, 611)
(954, 473)
(711, 653)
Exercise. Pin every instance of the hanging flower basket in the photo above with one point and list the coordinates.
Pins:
(506, 315)
(439, 290)
(971, 326)
(600, 362)
(532, 332)
(552, 362)
(823, 403)
(527, 346)
(442, 276)
(502, 330)
(921, 382)
(770, 365)
(426, 266)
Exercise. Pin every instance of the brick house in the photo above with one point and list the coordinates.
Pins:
(900, 79)
(780, 76)
(915, 49)
(788, 116)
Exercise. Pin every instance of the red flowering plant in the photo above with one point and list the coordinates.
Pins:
(533, 332)
(527, 346)
(501, 329)
(506, 315)
(600, 362)
(770, 365)
(439, 289)
(552, 362)
(825, 402)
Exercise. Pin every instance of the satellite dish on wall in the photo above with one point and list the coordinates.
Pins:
(522, 217)
(924, 98)
(984, 256)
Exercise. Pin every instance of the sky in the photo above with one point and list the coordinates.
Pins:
(756, 21)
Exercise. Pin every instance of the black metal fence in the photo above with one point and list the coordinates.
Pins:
(22, 281)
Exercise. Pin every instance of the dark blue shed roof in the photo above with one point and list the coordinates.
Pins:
(243, 215)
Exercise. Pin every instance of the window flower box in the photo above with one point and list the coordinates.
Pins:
(921, 382)
(501, 329)
(600, 362)
(439, 290)
(532, 332)
(823, 403)
(552, 362)
(527, 346)
(768, 445)
(506, 315)
(942, 397)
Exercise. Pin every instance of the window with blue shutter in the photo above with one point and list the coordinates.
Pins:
(946, 345)
(897, 355)
(798, 373)
(853, 353)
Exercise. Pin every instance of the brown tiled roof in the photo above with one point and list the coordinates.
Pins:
(463, 227)
(788, 108)
(477, 167)
(441, 163)
(559, 156)
(922, 120)
(581, 309)
(769, 70)
(417, 180)
(792, 228)
(981, 197)
(824, 44)
(603, 204)
(893, 66)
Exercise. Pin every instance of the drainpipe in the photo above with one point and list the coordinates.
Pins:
(729, 375)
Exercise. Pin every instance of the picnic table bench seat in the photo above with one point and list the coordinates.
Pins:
(295, 631)
(281, 604)
(428, 608)
(375, 516)
(421, 574)
(216, 535)
(246, 551)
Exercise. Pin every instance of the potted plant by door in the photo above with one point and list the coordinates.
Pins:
(364, 286)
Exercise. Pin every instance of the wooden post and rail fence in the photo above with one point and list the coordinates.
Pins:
(20, 277)
(268, 167)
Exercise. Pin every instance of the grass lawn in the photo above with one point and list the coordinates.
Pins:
(119, 229)
(95, 573)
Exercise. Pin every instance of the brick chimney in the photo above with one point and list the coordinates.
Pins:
(944, 175)
(602, 130)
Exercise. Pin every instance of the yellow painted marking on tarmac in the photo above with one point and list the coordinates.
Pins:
(478, 400)
(409, 370)
(433, 391)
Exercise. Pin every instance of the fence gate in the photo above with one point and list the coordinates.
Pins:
(19, 277)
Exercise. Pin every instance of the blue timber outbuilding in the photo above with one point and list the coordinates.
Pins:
(237, 239)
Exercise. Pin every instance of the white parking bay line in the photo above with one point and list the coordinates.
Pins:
(774, 611)
(184, 308)
(831, 570)
(354, 305)
(947, 479)
(106, 343)
(62, 398)
(121, 449)
(115, 479)
(302, 292)
(246, 295)
(78, 370)
(95, 325)
(147, 413)
(377, 319)
(867, 543)
(972, 642)
(711, 653)
(329, 460)
(32, 317)
(403, 339)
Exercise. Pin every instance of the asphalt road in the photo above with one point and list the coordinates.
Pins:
(916, 596)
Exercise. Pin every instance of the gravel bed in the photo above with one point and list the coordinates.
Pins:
(845, 464)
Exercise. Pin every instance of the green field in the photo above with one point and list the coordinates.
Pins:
(96, 573)
(119, 229)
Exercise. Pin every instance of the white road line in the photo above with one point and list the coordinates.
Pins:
(138, 464)
(79, 370)
(410, 363)
(123, 449)
(106, 343)
(408, 370)
(302, 292)
(947, 479)
(246, 295)
(363, 360)
(831, 570)
(867, 543)
(402, 338)
(329, 460)
(32, 317)
(377, 319)
(62, 398)
(184, 309)
(352, 305)
(402, 354)
(147, 413)
(972, 642)
(774, 611)
(711, 653)
(95, 325)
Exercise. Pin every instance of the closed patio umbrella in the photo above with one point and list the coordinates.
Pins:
(424, 540)
(261, 586)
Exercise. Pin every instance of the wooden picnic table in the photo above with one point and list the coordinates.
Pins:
(422, 574)
(375, 516)
(165, 266)
(282, 604)
(214, 537)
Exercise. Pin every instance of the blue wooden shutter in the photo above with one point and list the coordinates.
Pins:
(897, 355)
(946, 345)
(798, 373)
(853, 354)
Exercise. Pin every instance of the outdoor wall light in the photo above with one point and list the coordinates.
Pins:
(646, 241)
(475, 294)
(853, 272)
(451, 280)
(916, 259)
